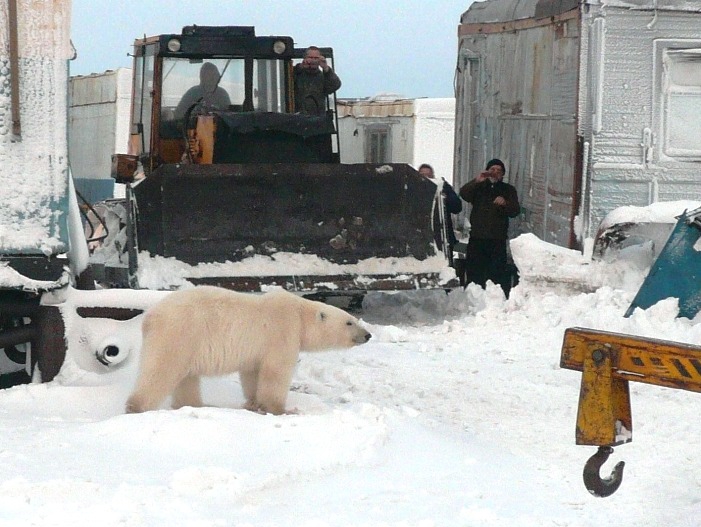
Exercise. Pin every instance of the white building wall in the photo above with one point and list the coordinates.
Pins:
(123, 114)
(99, 116)
(403, 140)
(351, 140)
(421, 131)
(434, 129)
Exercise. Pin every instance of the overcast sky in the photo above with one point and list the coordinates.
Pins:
(407, 47)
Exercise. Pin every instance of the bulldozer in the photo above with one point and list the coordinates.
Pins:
(210, 188)
(259, 180)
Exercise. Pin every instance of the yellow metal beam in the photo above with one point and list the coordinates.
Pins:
(607, 362)
(640, 359)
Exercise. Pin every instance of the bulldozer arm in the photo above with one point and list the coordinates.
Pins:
(342, 214)
(608, 362)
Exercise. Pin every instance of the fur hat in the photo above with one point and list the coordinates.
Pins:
(496, 162)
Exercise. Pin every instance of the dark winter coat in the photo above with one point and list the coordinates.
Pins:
(312, 87)
(487, 220)
(453, 205)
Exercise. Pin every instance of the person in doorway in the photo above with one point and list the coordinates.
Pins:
(207, 94)
(452, 205)
(493, 203)
(314, 81)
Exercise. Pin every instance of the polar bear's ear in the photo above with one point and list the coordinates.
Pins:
(322, 316)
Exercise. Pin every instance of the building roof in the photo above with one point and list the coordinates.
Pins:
(506, 10)
(491, 11)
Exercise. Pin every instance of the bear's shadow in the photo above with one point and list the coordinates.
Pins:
(225, 392)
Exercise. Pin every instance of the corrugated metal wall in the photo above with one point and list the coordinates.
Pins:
(517, 95)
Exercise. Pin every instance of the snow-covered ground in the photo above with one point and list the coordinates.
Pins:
(456, 413)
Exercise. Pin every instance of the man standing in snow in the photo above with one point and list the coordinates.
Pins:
(314, 80)
(493, 203)
(452, 205)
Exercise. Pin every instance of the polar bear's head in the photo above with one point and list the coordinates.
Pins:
(328, 327)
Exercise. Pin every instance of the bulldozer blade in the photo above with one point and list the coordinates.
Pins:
(677, 270)
(330, 285)
(341, 213)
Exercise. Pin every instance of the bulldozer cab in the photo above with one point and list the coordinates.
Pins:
(224, 95)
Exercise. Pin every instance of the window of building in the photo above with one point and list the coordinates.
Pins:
(681, 99)
(377, 145)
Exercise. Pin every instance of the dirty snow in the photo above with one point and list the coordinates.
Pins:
(157, 272)
(455, 414)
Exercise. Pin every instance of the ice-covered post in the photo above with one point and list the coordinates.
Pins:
(34, 51)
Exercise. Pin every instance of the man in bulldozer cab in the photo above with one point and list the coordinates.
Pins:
(314, 80)
(207, 94)
(248, 113)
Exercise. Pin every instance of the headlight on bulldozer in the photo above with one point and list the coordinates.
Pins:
(173, 45)
(279, 47)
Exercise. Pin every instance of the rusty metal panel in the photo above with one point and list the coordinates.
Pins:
(508, 10)
(525, 114)
(596, 77)
(376, 108)
(561, 184)
(93, 89)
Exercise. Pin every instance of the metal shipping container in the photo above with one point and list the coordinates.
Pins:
(592, 104)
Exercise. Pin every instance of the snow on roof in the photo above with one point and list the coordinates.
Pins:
(664, 5)
(662, 212)
(386, 106)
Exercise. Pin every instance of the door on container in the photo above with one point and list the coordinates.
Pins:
(467, 129)
(561, 147)
(467, 147)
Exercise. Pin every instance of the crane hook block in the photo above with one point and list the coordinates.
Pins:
(599, 487)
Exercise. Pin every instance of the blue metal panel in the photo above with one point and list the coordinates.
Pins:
(94, 190)
(677, 270)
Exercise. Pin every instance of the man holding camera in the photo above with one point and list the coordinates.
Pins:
(314, 80)
(493, 203)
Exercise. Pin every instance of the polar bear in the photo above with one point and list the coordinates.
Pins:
(209, 330)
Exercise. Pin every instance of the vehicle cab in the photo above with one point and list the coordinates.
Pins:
(248, 112)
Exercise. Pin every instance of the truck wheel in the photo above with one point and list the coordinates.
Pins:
(13, 357)
(49, 347)
(16, 353)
